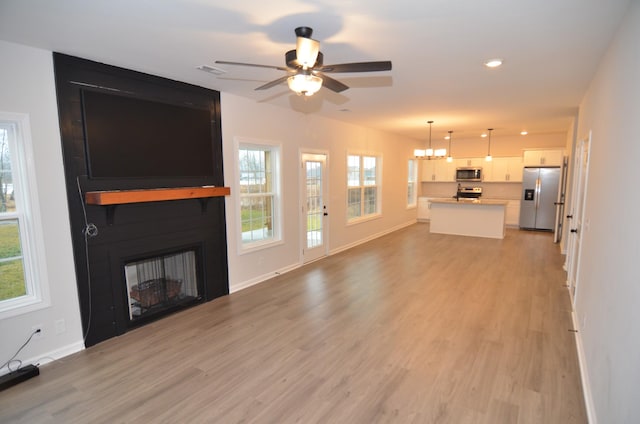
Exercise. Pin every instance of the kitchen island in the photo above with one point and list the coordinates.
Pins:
(468, 217)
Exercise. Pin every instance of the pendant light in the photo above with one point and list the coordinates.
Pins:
(449, 158)
(489, 158)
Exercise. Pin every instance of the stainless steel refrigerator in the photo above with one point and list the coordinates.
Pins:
(540, 201)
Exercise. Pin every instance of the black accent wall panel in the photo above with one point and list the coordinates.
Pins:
(131, 230)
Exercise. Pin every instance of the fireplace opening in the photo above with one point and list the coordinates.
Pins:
(158, 284)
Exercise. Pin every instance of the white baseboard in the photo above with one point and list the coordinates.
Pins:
(372, 237)
(263, 277)
(51, 356)
(584, 375)
(267, 276)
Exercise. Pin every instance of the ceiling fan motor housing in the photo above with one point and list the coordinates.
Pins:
(304, 32)
(291, 60)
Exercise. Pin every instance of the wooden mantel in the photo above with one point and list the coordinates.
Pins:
(120, 197)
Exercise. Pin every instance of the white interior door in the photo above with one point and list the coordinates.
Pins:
(576, 215)
(314, 207)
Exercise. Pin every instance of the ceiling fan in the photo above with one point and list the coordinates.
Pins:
(306, 72)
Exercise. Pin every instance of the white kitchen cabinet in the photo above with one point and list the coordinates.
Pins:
(497, 170)
(543, 157)
(428, 170)
(470, 162)
(503, 169)
(512, 217)
(423, 208)
(445, 171)
(437, 170)
(515, 169)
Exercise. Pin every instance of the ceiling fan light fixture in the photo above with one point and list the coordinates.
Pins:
(307, 52)
(304, 84)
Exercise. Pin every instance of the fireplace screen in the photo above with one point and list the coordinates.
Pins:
(159, 283)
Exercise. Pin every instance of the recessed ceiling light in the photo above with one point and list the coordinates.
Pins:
(523, 133)
(493, 63)
(483, 135)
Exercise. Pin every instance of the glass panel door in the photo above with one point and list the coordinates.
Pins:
(314, 207)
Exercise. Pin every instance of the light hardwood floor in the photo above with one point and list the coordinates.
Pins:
(410, 328)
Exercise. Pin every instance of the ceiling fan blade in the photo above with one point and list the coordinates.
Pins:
(280, 68)
(357, 67)
(273, 83)
(332, 84)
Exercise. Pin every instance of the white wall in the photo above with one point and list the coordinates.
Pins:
(27, 86)
(296, 131)
(608, 292)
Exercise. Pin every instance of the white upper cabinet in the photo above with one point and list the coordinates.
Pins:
(499, 170)
(445, 171)
(514, 174)
(503, 169)
(543, 157)
(470, 162)
(428, 170)
(437, 170)
(496, 170)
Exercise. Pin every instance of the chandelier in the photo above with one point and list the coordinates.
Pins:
(429, 153)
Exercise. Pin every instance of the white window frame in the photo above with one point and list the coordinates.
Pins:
(362, 185)
(29, 218)
(412, 181)
(241, 143)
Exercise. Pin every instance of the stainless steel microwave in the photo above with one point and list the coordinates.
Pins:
(468, 174)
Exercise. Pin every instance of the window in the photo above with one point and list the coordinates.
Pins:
(21, 282)
(258, 171)
(362, 187)
(412, 187)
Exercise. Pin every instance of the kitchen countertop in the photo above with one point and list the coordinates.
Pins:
(448, 200)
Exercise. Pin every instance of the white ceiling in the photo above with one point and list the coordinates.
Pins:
(551, 49)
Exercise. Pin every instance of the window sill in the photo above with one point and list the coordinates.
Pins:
(257, 246)
(21, 305)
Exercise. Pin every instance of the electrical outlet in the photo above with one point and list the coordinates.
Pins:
(60, 326)
(40, 333)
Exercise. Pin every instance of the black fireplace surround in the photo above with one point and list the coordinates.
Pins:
(106, 238)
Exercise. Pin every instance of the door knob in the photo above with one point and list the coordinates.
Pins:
(569, 216)
(574, 230)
